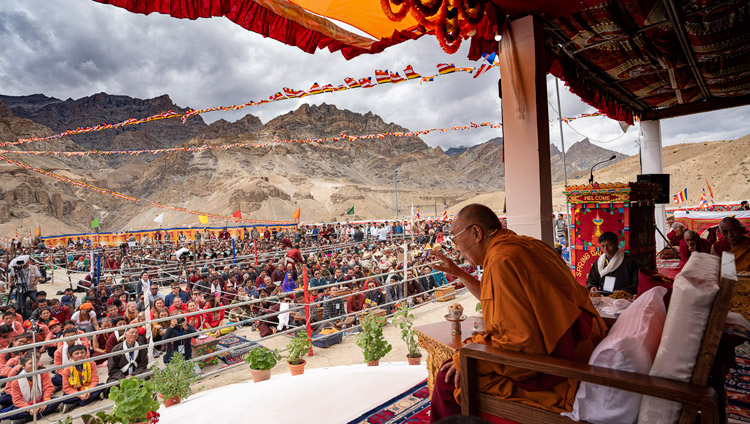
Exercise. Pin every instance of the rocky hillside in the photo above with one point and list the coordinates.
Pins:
(323, 179)
(60, 115)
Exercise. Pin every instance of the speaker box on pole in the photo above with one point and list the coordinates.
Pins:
(663, 181)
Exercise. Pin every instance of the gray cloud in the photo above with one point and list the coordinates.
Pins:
(75, 48)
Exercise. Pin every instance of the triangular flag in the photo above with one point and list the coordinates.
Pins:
(237, 214)
(703, 203)
(296, 214)
(95, 223)
(445, 214)
(350, 211)
(203, 219)
(159, 219)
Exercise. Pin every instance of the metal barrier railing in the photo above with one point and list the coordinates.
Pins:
(33, 346)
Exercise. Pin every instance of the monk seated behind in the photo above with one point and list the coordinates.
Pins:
(735, 240)
(531, 303)
(675, 237)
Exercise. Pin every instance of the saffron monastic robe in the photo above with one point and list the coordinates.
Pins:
(742, 255)
(532, 303)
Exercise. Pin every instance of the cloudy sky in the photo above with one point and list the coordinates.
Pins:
(75, 48)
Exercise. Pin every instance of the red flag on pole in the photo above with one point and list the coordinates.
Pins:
(710, 191)
(237, 214)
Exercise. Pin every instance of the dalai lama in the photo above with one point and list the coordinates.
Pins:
(531, 303)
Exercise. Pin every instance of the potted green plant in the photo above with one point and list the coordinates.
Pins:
(404, 320)
(371, 340)
(134, 403)
(298, 347)
(174, 380)
(261, 361)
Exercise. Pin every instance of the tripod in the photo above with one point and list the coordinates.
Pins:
(20, 288)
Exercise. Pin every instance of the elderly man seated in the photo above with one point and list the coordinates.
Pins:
(675, 237)
(614, 270)
(736, 240)
(692, 242)
(531, 303)
(127, 364)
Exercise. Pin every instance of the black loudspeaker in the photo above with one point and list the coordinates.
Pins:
(663, 181)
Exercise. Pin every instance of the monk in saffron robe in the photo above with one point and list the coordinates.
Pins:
(736, 240)
(531, 303)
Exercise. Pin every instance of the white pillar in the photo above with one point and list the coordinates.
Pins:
(652, 163)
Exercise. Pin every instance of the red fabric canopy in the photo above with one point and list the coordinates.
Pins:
(282, 21)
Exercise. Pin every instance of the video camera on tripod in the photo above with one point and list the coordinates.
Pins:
(16, 267)
(183, 254)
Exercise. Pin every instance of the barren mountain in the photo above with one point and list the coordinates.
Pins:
(61, 115)
(324, 179)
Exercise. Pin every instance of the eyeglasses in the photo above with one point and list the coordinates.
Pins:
(455, 236)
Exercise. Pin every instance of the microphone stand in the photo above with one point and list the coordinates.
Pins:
(591, 174)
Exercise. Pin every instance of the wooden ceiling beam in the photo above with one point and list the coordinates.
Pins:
(714, 103)
(687, 50)
(603, 79)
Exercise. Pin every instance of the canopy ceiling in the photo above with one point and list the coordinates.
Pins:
(647, 58)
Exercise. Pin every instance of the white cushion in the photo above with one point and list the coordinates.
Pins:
(630, 345)
(693, 295)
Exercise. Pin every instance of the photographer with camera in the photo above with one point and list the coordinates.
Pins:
(178, 327)
(23, 278)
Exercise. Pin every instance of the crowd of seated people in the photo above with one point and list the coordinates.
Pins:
(358, 260)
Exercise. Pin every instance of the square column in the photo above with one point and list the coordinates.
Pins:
(652, 163)
(528, 185)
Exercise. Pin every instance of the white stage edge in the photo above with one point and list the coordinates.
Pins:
(321, 395)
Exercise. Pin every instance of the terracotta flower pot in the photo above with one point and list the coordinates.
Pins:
(171, 401)
(374, 363)
(297, 369)
(260, 375)
(414, 361)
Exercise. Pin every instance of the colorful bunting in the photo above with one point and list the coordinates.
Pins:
(285, 93)
(446, 68)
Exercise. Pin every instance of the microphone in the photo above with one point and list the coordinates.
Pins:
(591, 175)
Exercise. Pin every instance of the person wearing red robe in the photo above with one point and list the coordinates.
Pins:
(690, 243)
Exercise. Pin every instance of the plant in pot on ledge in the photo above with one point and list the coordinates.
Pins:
(404, 320)
(261, 361)
(174, 380)
(134, 403)
(298, 347)
(371, 340)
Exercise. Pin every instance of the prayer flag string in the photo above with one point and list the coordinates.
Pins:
(343, 136)
(381, 77)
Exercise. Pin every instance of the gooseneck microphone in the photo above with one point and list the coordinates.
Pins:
(591, 175)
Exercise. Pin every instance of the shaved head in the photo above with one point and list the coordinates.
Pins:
(690, 235)
(476, 214)
(732, 230)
